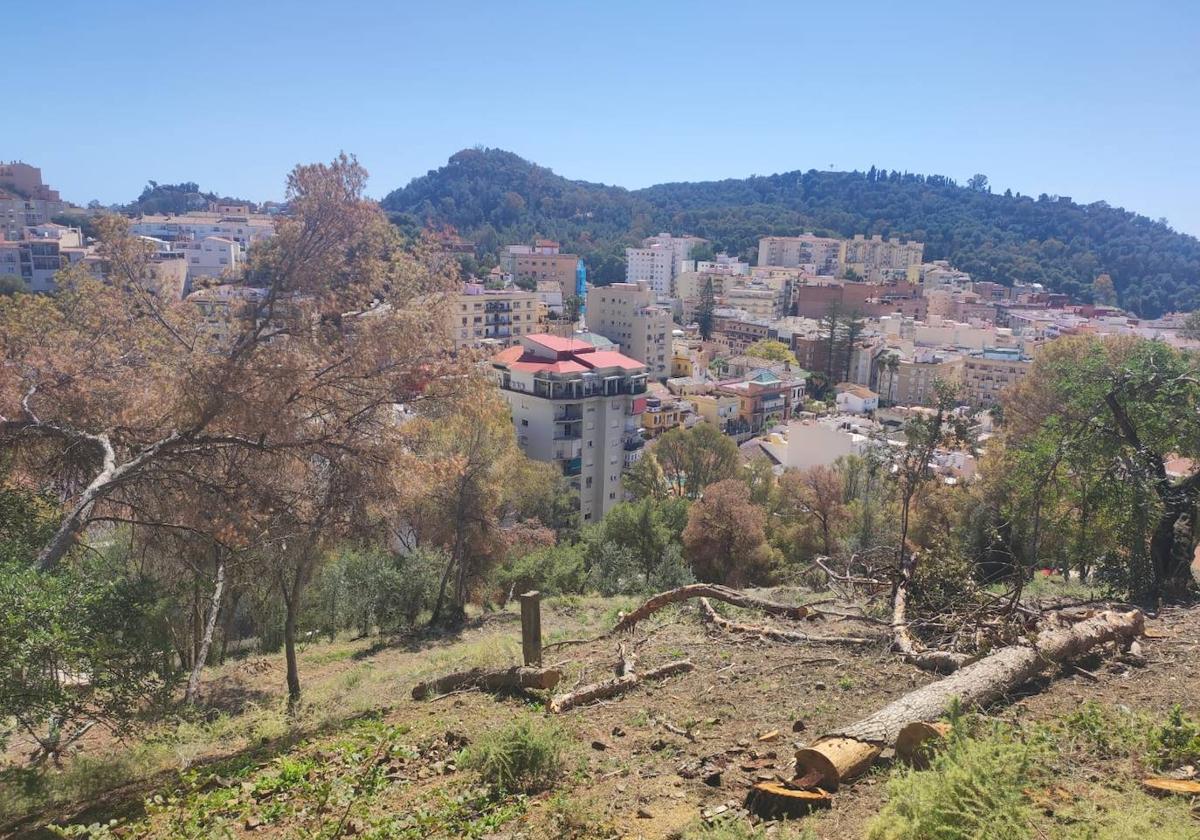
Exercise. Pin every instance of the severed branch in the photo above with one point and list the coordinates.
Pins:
(618, 685)
(907, 644)
(721, 593)
(711, 616)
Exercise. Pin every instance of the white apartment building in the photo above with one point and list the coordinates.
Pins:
(244, 228)
(576, 406)
(758, 299)
(627, 314)
(212, 256)
(659, 261)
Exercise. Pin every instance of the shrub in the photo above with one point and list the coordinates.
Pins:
(1175, 743)
(552, 570)
(973, 789)
(523, 757)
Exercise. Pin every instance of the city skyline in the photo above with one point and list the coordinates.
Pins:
(1075, 100)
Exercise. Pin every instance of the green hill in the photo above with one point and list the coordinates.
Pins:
(495, 197)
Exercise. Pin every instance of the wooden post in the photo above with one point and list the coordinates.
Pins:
(531, 628)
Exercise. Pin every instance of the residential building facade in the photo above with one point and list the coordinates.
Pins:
(480, 317)
(627, 314)
(578, 407)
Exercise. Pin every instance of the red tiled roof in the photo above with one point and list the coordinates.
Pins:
(511, 354)
(611, 358)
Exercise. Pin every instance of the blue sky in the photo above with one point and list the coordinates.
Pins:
(1095, 100)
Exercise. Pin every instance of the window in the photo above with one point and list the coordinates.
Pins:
(524, 422)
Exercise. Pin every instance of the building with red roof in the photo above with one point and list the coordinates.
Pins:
(578, 406)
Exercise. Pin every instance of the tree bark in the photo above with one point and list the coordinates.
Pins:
(618, 685)
(210, 626)
(844, 753)
(291, 602)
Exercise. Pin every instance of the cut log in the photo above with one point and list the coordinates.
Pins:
(706, 590)
(833, 760)
(773, 801)
(708, 614)
(1175, 787)
(618, 685)
(917, 739)
(508, 679)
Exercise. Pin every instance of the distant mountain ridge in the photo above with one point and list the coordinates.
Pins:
(495, 197)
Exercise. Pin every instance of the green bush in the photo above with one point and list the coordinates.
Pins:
(553, 570)
(1175, 743)
(973, 790)
(524, 757)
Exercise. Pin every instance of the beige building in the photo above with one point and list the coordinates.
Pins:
(578, 407)
(878, 260)
(531, 264)
(814, 254)
(758, 299)
(24, 200)
(480, 316)
(41, 252)
(988, 373)
(719, 409)
(627, 314)
(911, 382)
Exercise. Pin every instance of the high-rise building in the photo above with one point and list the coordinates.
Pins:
(659, 261)
(878, 260)
(989, 372)
(627, 314)
(529, 264)
(576, 406)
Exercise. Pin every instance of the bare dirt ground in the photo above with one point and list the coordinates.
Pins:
(649, 764)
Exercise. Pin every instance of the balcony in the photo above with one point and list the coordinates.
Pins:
(567, 413)
(633, 444)
(568, 448)
(772, 405)
(573, 467)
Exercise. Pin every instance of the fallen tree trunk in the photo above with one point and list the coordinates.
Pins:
(708, 614)
(618, 685)
(845, 753)
(507, 679)
(707, 590)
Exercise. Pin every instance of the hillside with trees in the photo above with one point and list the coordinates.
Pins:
(174, 199)
(495, 197)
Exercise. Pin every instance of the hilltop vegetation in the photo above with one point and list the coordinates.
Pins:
(174, 199)
(495, 197)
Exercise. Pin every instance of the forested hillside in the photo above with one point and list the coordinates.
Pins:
(496, 197)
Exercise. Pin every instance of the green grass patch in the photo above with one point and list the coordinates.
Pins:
(524, 757)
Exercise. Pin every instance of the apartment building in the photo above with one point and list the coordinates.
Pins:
(24, 200)
(627, 314)
(659, 261)
(578, 407)
(238, 225)
(41, 252)
(879, 260)
(531, 264)
(737, 333)
(664, 413)
(814, 254)
(911, 380)
(480, 316)
(987, 373)
(758, 299)
(719, 409)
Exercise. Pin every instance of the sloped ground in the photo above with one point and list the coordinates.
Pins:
(369, 761)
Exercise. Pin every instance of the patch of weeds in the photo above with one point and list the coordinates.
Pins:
(845, 683)
(472, 813)
(1120, 815)
(974, 788)
(1174, 743)
(523, 757)
(732, 827)
(572, 819)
